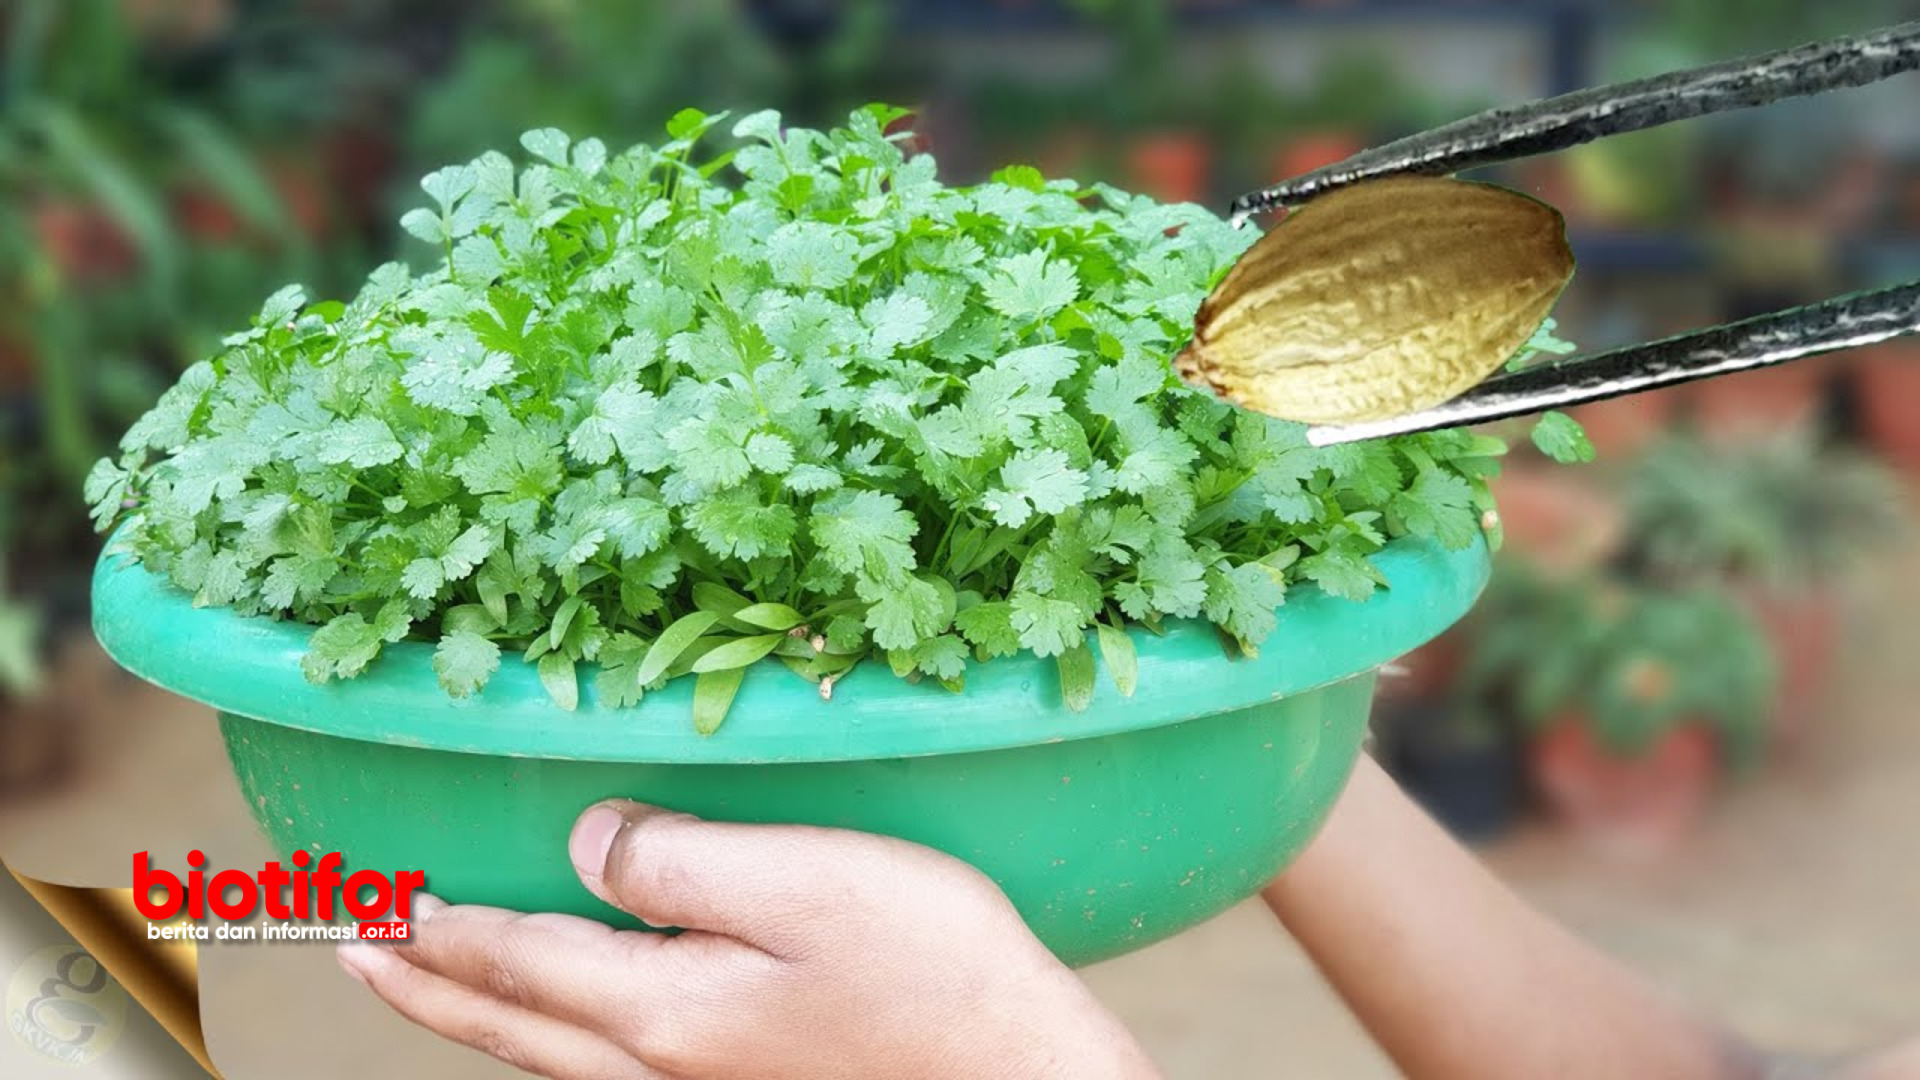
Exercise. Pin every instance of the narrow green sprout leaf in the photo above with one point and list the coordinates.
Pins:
(562, 684)
(671, 643)
(713, 693)
(718, 599)
(830, 664)
(562, 618)
(492, 587)
(1076, 678)
(701, 646)
(901, 661)
(737, 653)
(1116, 650)
(770, 616)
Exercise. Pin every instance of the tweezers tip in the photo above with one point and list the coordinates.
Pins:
(1320, 436)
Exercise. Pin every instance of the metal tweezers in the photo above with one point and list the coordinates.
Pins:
(1573, 119)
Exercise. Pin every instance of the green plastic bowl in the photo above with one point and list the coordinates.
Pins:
(1109, 829)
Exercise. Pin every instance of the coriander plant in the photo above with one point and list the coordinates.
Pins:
(667, 416)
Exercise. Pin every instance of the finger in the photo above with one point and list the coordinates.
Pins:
(525, 1040)
(575, 970)
(767, 885)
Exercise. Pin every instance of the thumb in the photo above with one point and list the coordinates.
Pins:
(763, 884)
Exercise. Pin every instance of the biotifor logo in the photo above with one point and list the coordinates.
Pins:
(65, 1006)
(313, 888)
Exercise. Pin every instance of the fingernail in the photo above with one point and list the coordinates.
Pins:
(425, 905)
(593, 837)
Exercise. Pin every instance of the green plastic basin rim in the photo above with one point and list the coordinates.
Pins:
(250, 666)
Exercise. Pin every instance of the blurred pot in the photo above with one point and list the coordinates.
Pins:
(83, 240)
(303, 192)
(1314, 150)
(1556, 517)
(36, 746)
(359, 163)
(1803, 627)
(179, 23)
(1887, 378)
(1624, 426)
(1646, 802)
(1426, 673)
(1068, 152)
(204, 216)
(1170, 166)
(1468, 779)
(17, 364)
(1760, 402)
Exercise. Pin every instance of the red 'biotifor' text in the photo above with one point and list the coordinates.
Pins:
(309, 890)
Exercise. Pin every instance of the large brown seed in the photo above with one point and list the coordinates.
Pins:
(1379, 300)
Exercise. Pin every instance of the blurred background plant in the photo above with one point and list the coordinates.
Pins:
(1634, 696)
(135, 222)
(1780, 510)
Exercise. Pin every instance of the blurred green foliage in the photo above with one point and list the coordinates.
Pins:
(616, 70)
(1631, 660)
(134, 228)
(1781, 510)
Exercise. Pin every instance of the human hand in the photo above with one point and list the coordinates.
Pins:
(808, 953)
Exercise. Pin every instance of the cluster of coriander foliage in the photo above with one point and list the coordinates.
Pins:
(668, 416)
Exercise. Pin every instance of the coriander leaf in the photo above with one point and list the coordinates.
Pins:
(1439, 505)
(1242, 600)
(769, 453)
(865, 532)
(1174, 580)
(1035, 481)
(464, 661)
(341, 649)
(905, 612)
(1341, 573)
(513, 460)
(618, 683)
(1047, 626)
(1560, 437)
(455, 374)
(943, 657)
(896, 321)
(989, 627)
(811, 255)
(1029, 287)
(547, 144)
(735, 523)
